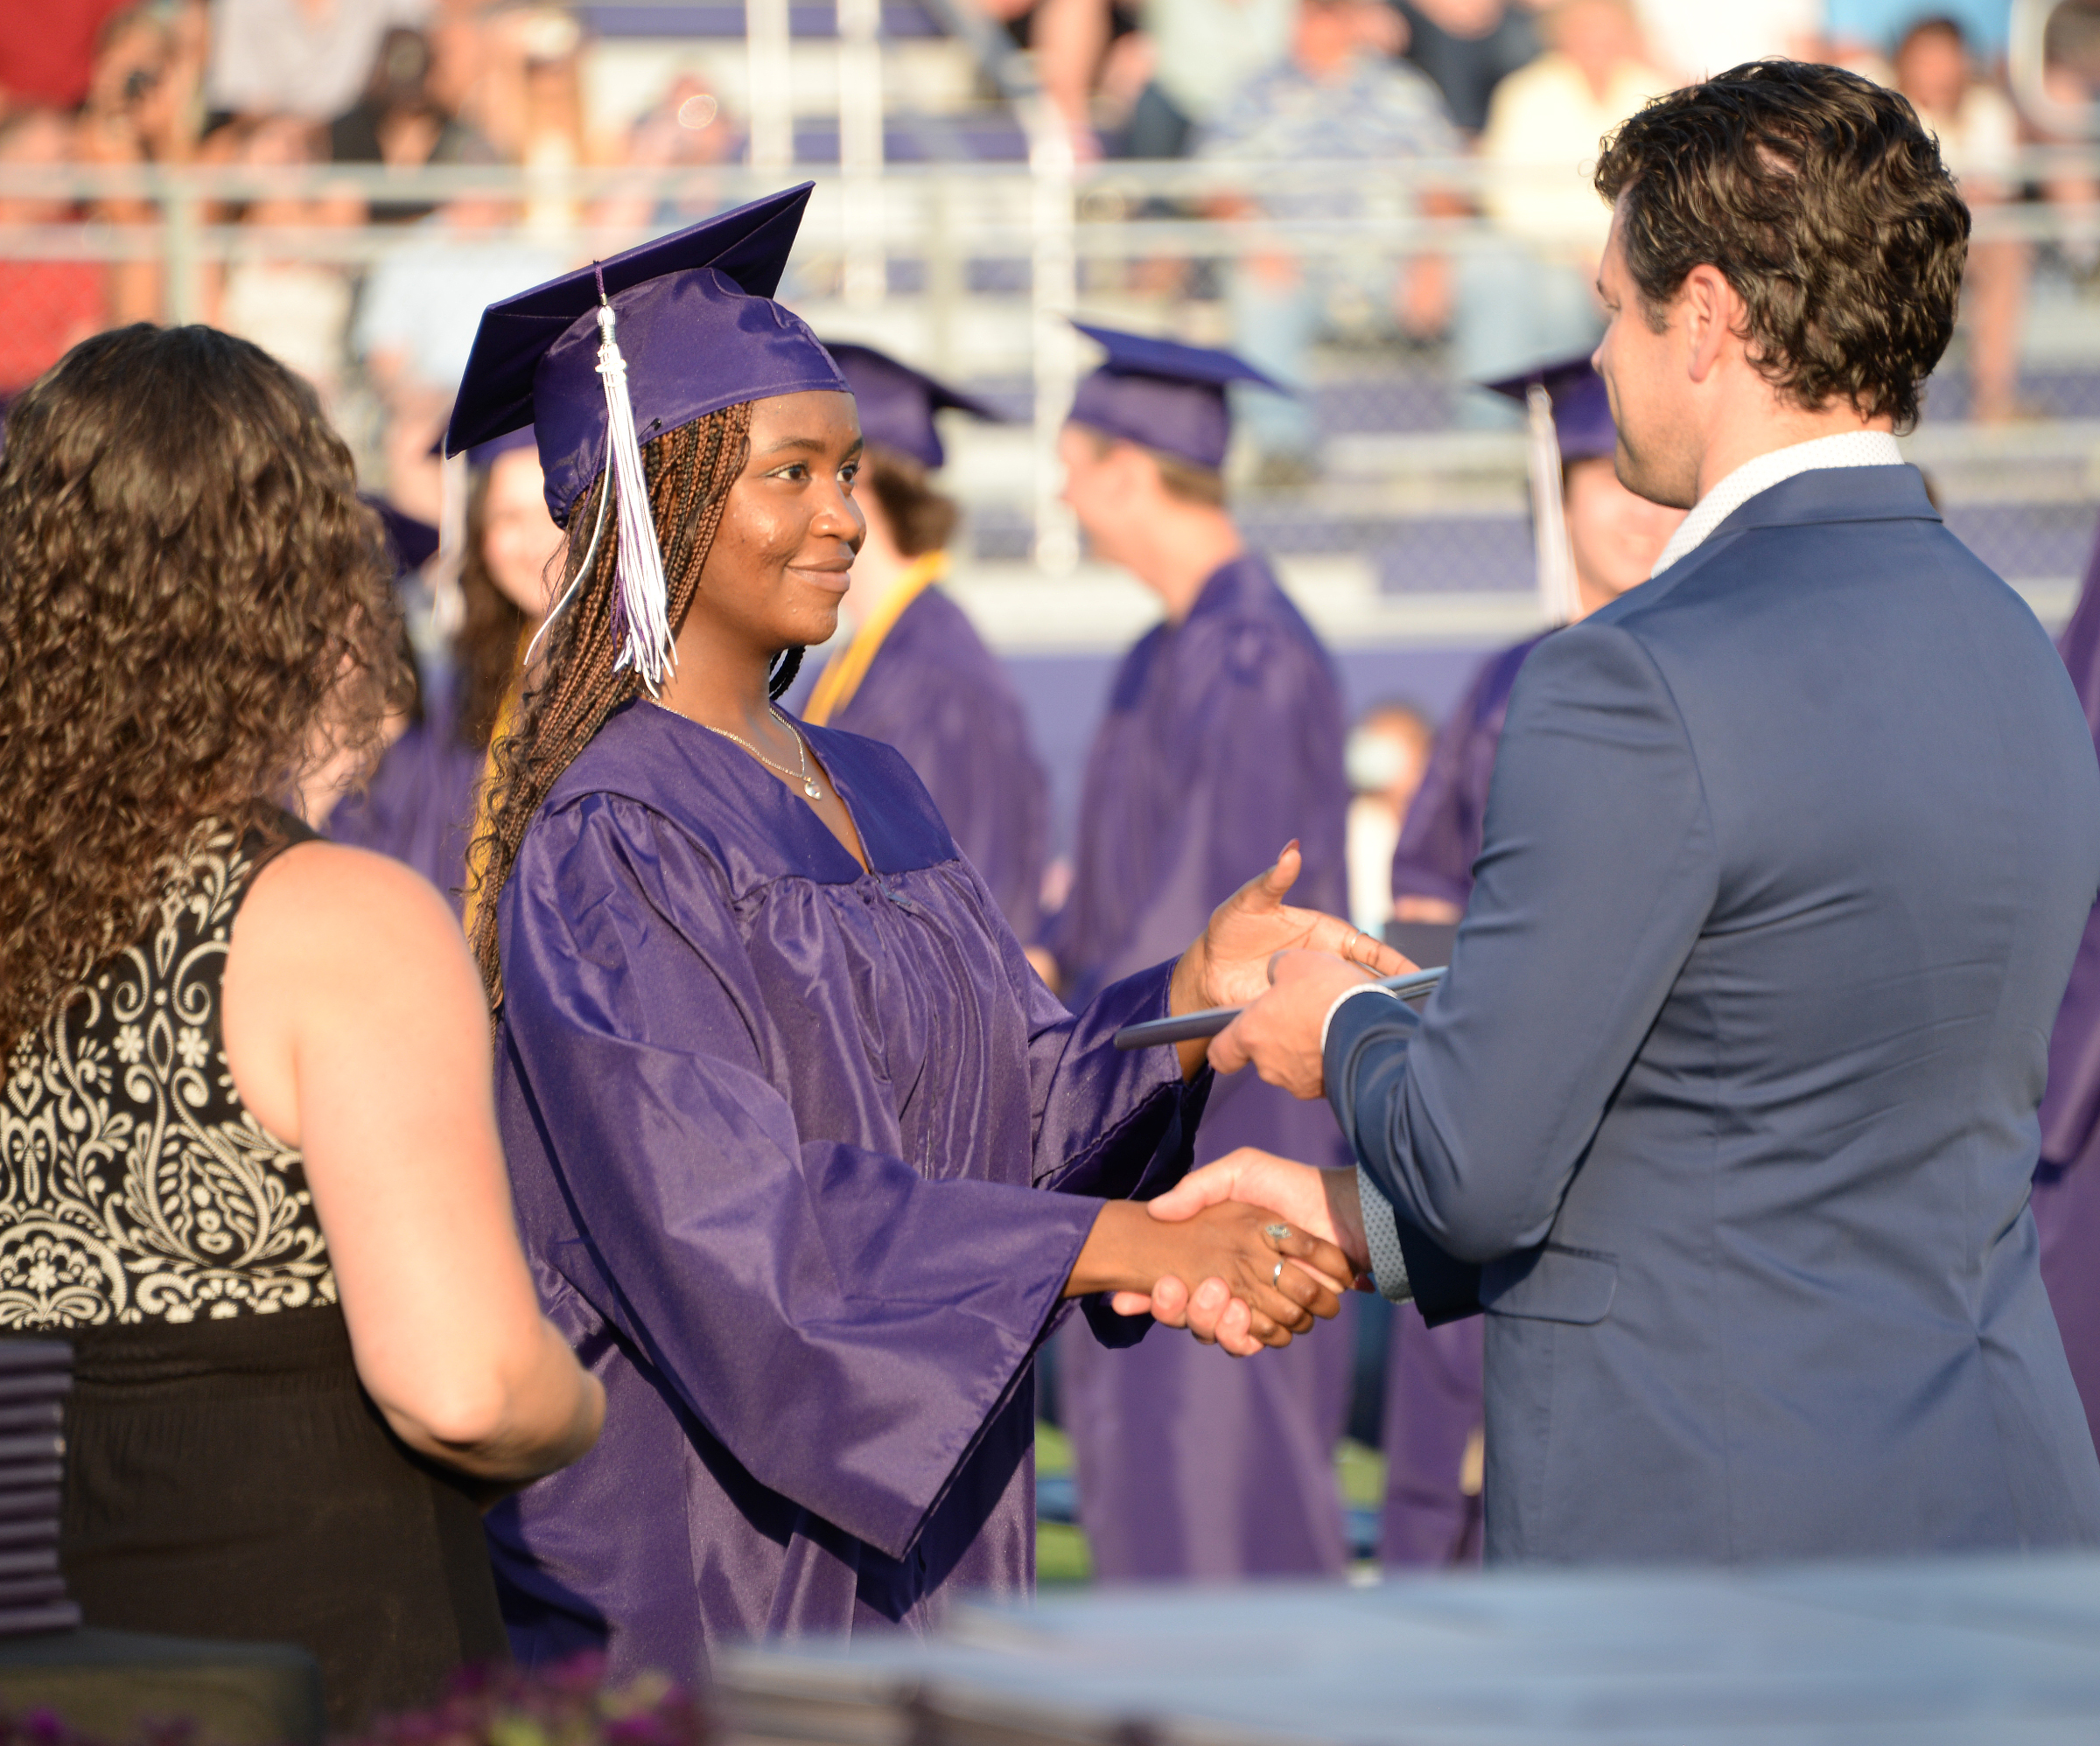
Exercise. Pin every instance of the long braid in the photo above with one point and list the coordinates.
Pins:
(690, 471)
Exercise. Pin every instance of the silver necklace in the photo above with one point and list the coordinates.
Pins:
(801, 751)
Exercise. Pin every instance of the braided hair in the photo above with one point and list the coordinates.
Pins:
(690, 472)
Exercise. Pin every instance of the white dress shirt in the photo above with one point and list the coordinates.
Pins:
(1762, 472)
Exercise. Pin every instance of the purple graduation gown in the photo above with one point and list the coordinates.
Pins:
(419, 804)
(1222, 741)
(777, 1131)
(2067, 1183)
(941, 698)
(1433, 1383)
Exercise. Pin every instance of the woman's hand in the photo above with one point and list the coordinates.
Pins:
(1228, 965)
(1284, 1275)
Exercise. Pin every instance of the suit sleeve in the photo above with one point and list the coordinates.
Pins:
(1598, 872)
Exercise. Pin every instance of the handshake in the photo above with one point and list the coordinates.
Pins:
(1271, 1243)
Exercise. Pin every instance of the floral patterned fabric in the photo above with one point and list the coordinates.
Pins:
(135, 1187)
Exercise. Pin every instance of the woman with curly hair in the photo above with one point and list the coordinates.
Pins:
(780, 1092)
(419, 804)
(249, 1162)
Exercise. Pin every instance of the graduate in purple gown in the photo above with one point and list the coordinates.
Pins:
(780, 1094)
(2067, 1183)
(915, 673)
(418, 806)
(1223, 742)
(1434, 1439)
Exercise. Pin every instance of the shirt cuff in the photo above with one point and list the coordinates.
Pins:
(1346, 995)
(1382, 1235)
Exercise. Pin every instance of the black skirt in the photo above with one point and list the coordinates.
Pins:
(232, 1479)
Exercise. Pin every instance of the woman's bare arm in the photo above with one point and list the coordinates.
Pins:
(356, 1030)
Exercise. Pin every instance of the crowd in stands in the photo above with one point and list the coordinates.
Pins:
(1512, 85)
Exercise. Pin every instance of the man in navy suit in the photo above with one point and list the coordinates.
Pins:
(1725, 1112)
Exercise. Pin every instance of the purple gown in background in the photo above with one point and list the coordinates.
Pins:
(1432, 1381)
(778, 1130)
(2067, 1183)
(419, 804)
(940, 697)
(1222, 741)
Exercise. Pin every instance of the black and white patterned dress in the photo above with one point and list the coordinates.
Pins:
(226, 1474)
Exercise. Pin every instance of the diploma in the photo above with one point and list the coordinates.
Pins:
(1187, 1026)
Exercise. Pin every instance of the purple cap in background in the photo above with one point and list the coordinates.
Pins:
(1582, 411)
(898, 403)
(1162, 396)
(697, 326)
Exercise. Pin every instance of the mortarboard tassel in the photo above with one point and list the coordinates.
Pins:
(1550, 525)
(641, 598)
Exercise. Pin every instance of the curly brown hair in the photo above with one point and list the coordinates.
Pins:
(690, 471)
(1822, 198)
(195, 612)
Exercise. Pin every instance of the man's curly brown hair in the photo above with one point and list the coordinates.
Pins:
(1822, 198)
(195, 611)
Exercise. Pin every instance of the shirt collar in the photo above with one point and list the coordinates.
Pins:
(1762, 472)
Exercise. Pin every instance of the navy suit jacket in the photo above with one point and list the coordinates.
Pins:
(1726, 1109)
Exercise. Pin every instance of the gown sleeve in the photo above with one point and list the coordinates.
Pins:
(843, 1325)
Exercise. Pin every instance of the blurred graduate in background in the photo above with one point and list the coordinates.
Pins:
(1598, 539)
(915, 673)
(419, 804)
(1221, 743)
(2066, 1183)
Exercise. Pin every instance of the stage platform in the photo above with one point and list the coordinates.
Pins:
(1998, 1651)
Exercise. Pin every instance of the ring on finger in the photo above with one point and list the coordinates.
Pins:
(1277, 1278)
(1276, 1233)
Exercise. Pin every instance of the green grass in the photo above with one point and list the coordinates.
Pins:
(1061, 1558)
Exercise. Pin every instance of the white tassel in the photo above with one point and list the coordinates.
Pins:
(1556, 596)
(641, 598)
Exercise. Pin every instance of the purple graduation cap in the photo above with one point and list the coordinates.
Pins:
(1570, 419)
(1164, 396)
(898, 403)
(601, 360)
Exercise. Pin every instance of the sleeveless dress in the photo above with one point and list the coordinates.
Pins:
(225, 1475)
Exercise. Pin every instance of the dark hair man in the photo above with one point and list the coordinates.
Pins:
(1725, 1113)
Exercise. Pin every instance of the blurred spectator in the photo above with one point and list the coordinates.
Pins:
(1536, 298)
(397, 121)
(1978, 131)
(1692, 42)
(45, 306)
(144, 105)
(1878, 25)
(685, 129)
(48, 67)
(1201, 52)
(305, 57)
(551, 137)
(1388, 752)
(1334, 98)
(1467, 47)
(295, 308)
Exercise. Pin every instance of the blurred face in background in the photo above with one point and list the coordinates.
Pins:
(1932, 70)
(1616, 536)
(1387, 755)
(519, 538)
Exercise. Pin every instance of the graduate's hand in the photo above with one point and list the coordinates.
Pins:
(1228, 965)
(1279, 1032)
(1322, 1203)
(1282, 1281)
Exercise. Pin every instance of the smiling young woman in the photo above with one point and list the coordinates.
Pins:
(780, 1092)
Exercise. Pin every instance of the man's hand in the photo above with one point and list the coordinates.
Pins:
(1279, 1031)
(1229, 965)
(1322, 1203)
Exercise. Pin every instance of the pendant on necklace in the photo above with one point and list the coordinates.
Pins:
(811, 788)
